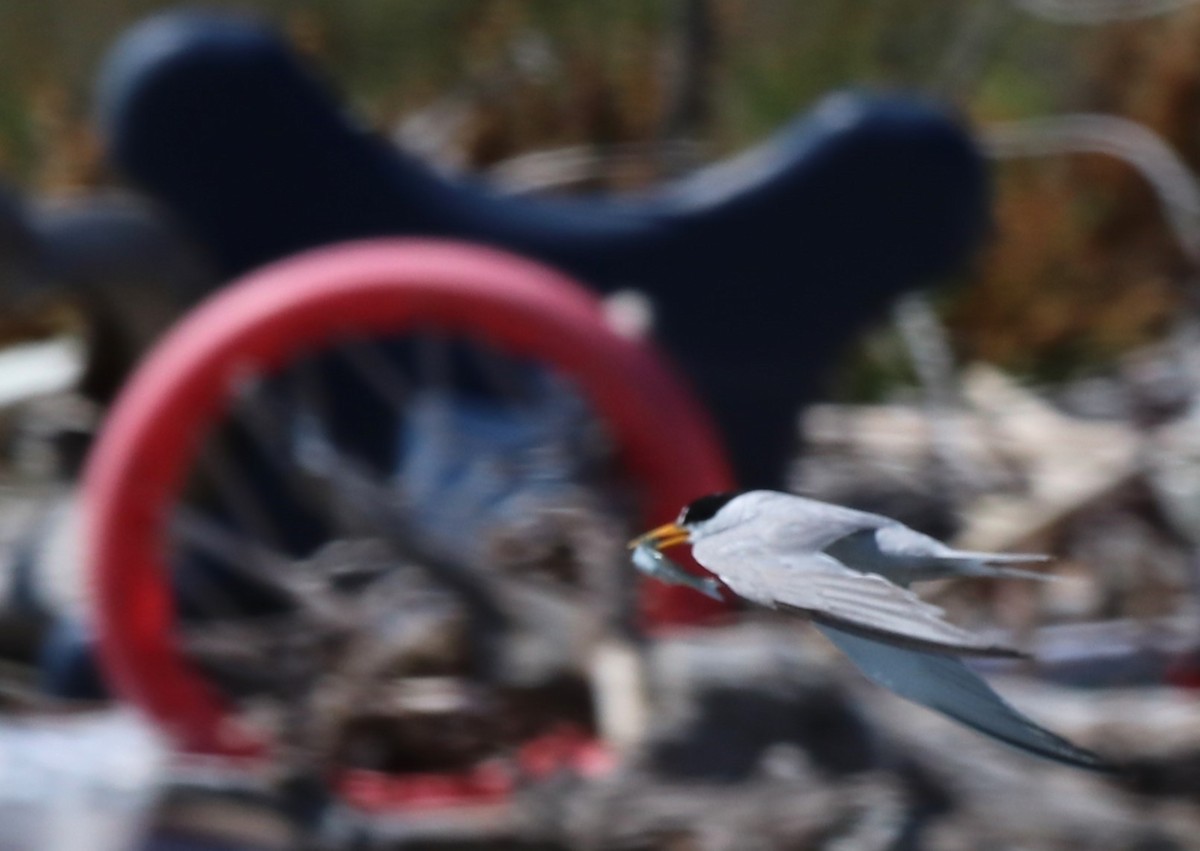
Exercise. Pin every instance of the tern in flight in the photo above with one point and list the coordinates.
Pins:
(848, 571)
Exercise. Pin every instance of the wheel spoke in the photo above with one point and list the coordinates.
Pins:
(383, 509)
(290, 424)
(264, 422)
(249, 558)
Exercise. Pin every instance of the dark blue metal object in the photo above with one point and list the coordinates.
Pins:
(126, 266)
(760, 267)
(118, 259)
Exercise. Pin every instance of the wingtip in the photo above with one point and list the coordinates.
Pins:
(1045, 744)
(1084, 759)
(1051, 746)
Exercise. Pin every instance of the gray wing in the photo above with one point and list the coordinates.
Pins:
(946, 685)
(797, 524)
(869, 605)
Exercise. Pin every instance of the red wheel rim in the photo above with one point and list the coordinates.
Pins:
(381, 287)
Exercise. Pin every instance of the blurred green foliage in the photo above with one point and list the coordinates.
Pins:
(393, 56)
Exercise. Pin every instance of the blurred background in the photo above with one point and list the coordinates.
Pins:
(1018, 371)
(1082, 266)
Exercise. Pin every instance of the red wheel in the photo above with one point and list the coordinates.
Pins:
(140, 468)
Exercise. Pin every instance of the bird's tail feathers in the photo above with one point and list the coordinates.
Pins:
(1016, 573)
(1005, 558)
(996, 565)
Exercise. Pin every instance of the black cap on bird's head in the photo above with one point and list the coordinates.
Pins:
(704, 508)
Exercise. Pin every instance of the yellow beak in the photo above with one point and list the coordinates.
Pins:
(667, 535)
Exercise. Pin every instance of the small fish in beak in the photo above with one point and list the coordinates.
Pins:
(653, 562)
